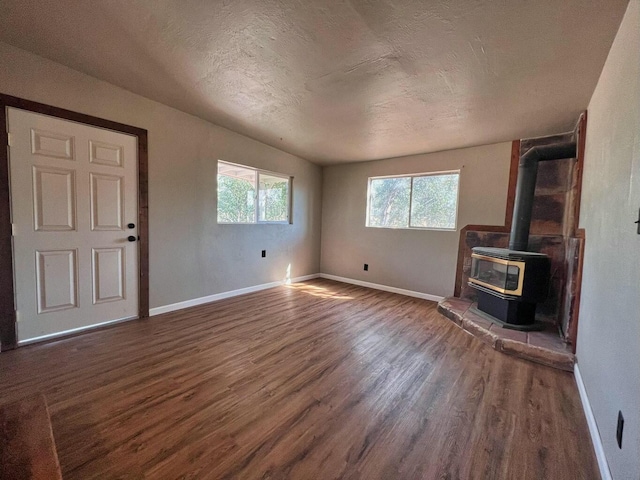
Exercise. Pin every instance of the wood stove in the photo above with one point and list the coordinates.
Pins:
(511, 281)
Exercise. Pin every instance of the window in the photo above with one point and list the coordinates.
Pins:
(427, 200)
(248, 195)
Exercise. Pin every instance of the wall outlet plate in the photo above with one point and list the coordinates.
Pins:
(366, 267)
(264, 253)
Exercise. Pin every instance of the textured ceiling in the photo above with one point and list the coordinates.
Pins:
(336, 81)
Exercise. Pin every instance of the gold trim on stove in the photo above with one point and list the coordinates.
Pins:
(508, 263)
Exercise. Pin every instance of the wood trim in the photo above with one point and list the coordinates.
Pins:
(9, 101)
(143, 225)
(457, 288)
(7, 308)
(572, 334)
(508, 214)
(581, 141)
(8, 338)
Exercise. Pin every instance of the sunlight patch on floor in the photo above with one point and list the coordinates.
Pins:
(315, 291)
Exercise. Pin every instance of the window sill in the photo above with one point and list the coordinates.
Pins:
(415, 228)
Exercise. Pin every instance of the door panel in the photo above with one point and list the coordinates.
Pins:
(73, 192)
(106, 154)
(49, 144)
(54, 199)
(108, 274)
(106, 202)
(56, 280)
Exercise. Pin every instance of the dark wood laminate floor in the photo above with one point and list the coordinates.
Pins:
(320, 380)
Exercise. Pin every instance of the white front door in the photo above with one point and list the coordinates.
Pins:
(74, 192)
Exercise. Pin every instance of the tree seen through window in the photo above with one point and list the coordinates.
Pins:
(419, 201)
(247, 195)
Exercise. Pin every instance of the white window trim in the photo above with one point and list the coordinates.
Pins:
(412, 176)
(257, 172)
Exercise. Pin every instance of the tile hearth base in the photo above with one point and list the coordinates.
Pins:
(545, 347)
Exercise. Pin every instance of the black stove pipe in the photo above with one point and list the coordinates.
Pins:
(526, 187)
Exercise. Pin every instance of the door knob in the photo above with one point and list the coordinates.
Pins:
(131, 238)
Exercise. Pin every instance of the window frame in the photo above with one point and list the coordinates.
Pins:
(257, 172)
(413, 176)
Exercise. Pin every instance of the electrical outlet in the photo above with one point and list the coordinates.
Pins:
(619, 429)
(366, 267)
(264, 253)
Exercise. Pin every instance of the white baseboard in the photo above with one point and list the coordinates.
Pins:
(376, 286)
(256, 288)
(605, 473)
(221, 296)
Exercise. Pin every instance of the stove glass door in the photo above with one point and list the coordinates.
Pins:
(497, 274)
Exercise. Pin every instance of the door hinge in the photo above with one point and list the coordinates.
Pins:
(9, 139)
(13, 229)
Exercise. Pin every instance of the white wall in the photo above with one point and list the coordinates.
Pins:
(609, 329)
(419, 260)
(190, 255)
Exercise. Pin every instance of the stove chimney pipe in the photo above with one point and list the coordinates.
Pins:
(526, 187)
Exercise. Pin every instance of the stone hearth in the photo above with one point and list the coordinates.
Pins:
(545, 347)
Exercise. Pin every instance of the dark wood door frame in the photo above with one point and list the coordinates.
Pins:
(8, 338)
